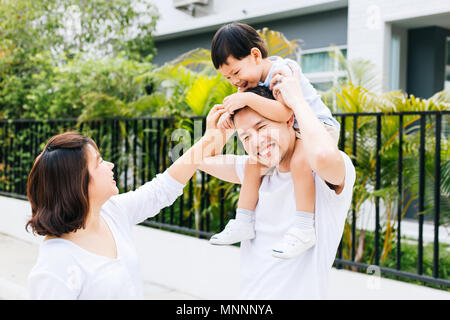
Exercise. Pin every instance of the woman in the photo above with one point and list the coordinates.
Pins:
(88, 251)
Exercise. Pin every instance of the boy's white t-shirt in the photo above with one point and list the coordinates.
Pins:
(66, 271)
(263, 276)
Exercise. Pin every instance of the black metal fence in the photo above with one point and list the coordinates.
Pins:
(402, 167)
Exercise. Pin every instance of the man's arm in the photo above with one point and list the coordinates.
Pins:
(209, 145)
(323, 155)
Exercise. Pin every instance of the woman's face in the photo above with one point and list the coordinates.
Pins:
(102, 185)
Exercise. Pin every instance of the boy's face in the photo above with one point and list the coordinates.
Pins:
(245, 73)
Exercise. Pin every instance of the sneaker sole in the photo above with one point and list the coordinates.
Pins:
(222, 243)
(282, 255)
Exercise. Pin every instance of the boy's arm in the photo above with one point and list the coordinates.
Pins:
(268, 108)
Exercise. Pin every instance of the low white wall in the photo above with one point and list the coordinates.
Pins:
(176, 261)
(188, 264)
(193, 266)
(14, 214)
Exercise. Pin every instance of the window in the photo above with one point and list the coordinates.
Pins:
(447, 67)
(321, 69)
(394, 70)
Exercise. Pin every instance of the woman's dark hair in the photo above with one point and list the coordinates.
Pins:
(235, 39)
(57, 186)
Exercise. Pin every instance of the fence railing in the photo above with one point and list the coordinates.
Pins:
(401, 161)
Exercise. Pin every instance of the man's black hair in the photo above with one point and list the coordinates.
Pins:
(260, 91)
(235, 39)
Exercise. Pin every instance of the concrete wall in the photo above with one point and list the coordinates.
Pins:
(369, 28)
(174, 23)
(317, 30)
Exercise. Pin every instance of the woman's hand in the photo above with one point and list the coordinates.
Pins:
(213, 116)
(216, 132)
(225, 121)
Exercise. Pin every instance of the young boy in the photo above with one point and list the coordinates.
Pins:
(239, 53)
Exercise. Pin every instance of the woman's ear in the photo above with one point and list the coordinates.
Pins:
(256, 54)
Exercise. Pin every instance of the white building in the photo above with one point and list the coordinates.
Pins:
(408, 40)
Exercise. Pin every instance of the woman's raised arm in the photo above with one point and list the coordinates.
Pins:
(165, 188)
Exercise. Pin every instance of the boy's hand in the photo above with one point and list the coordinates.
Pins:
(235, 101)
(225, 121)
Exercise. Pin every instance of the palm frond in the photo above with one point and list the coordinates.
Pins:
(198, 60)
(278, 44)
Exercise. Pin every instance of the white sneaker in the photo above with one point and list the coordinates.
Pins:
(294, 243)
(235, 231)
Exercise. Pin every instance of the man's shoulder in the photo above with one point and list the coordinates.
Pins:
(349, 181)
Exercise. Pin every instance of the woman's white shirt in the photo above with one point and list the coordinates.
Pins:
(66, 271)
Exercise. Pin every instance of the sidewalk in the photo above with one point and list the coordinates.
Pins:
(176, 266)
(18, 257)
(21, 256)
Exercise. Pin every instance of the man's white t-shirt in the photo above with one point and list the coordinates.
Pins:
(66, 271)
(263, 276)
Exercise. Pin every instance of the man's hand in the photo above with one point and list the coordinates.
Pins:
(286, 86)
(235, 101)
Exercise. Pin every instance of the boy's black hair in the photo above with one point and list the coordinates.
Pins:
(235, 39)
(260, 91)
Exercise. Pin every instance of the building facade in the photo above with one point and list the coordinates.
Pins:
(407, 40)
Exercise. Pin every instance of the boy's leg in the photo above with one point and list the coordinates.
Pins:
(241, 228)
(304, 187)
(248, 196)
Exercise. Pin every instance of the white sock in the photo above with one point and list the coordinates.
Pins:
(304, 220)
(244, 215)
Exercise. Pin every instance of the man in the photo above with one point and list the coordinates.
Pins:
(263, 276)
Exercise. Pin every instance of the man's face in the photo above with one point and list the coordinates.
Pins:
(265, 141)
